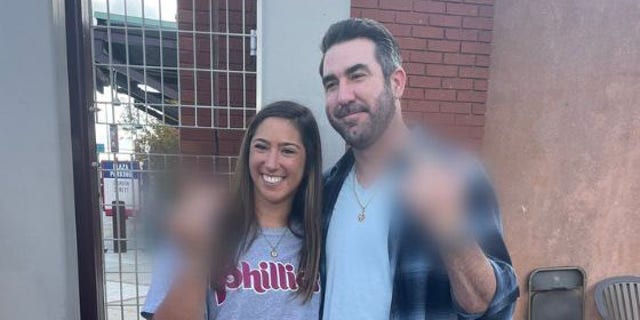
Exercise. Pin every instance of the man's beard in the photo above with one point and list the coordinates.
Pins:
(369, 130)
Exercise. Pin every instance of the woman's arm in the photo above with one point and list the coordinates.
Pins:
(187, 297)
(192, 229)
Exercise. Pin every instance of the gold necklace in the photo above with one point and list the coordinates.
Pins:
(363, 208)
(274, 249)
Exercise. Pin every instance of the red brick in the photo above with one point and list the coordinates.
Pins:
(461, 34)
(205, 5)
(470, 120)
(455, 107)
(228, 148)
(429, 6)
(444, 45)
(476, 47)
(230, 135)
(479, 108)
(422, 106)
(400, 5)
(405, 55)
(455, 83)
(485, 11)
(462, 9)
(472, 96)
(414, 68)
(364, 3)
(473, 145)
(476, 132)
(196, 147)
(424, 82)
(199, 134)
(477, 23)
(440, 118)
(413, 93)
(233, 5)
(186, 78)
(482, 61)
(427, 32)
(484, 36)
(440, 94)
(445, 21)
(455, 131)
(185, 16)
(488, 2)
(474, 72)
(356, 13)
(481, 85)
(459, 59)
(411, 43)
(426, 57)
(379, 15)
(399, 30)
(186, 42)
(441, 70)
(412, 117)
(411, 18)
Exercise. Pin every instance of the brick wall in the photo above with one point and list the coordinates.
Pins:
(445, 47)
(212, 85)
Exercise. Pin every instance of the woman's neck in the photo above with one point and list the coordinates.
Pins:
(272, 215)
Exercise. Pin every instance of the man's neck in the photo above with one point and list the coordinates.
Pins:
(371, 161)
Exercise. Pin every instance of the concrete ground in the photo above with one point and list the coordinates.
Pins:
(127, 275)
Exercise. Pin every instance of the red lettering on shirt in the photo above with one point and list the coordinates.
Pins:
(267, 277)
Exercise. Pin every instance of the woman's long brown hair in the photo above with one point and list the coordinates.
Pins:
(241, 227)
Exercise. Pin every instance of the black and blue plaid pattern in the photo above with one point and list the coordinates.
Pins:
(421, 288)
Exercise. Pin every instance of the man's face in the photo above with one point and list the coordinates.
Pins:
(359, 102)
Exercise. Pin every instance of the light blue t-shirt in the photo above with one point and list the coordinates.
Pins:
(359, 276)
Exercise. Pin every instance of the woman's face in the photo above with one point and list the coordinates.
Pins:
(276, 160)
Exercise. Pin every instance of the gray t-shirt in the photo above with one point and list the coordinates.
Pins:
(260, 287)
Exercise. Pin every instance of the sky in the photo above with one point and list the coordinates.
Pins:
(134, 8)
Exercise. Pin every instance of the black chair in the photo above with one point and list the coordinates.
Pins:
(557, 293)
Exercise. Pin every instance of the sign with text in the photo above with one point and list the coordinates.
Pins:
(121, 182)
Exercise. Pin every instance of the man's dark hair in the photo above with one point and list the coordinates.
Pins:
(387, 50)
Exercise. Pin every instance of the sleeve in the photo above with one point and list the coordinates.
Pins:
(487, 226)
(163, 272)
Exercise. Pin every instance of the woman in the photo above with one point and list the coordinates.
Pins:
(272, 235)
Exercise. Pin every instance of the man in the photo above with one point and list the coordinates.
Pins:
(412, 232)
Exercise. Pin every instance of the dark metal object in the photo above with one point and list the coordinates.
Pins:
(557, 293)
(85, 180)
(119, 217)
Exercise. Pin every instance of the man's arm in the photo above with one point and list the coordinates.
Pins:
(473, 282)
(458, 209)
(487, 247)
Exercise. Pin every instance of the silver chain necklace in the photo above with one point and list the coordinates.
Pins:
(274, 249)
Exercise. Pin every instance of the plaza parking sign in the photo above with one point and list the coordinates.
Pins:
(121, 182)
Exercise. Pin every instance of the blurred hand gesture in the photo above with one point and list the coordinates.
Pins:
(195, 216)
(435, 193)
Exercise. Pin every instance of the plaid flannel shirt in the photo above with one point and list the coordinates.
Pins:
(421, 288)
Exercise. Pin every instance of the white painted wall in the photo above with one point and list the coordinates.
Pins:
(291, 31)
(38, 260)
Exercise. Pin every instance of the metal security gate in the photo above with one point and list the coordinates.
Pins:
(173, 81)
